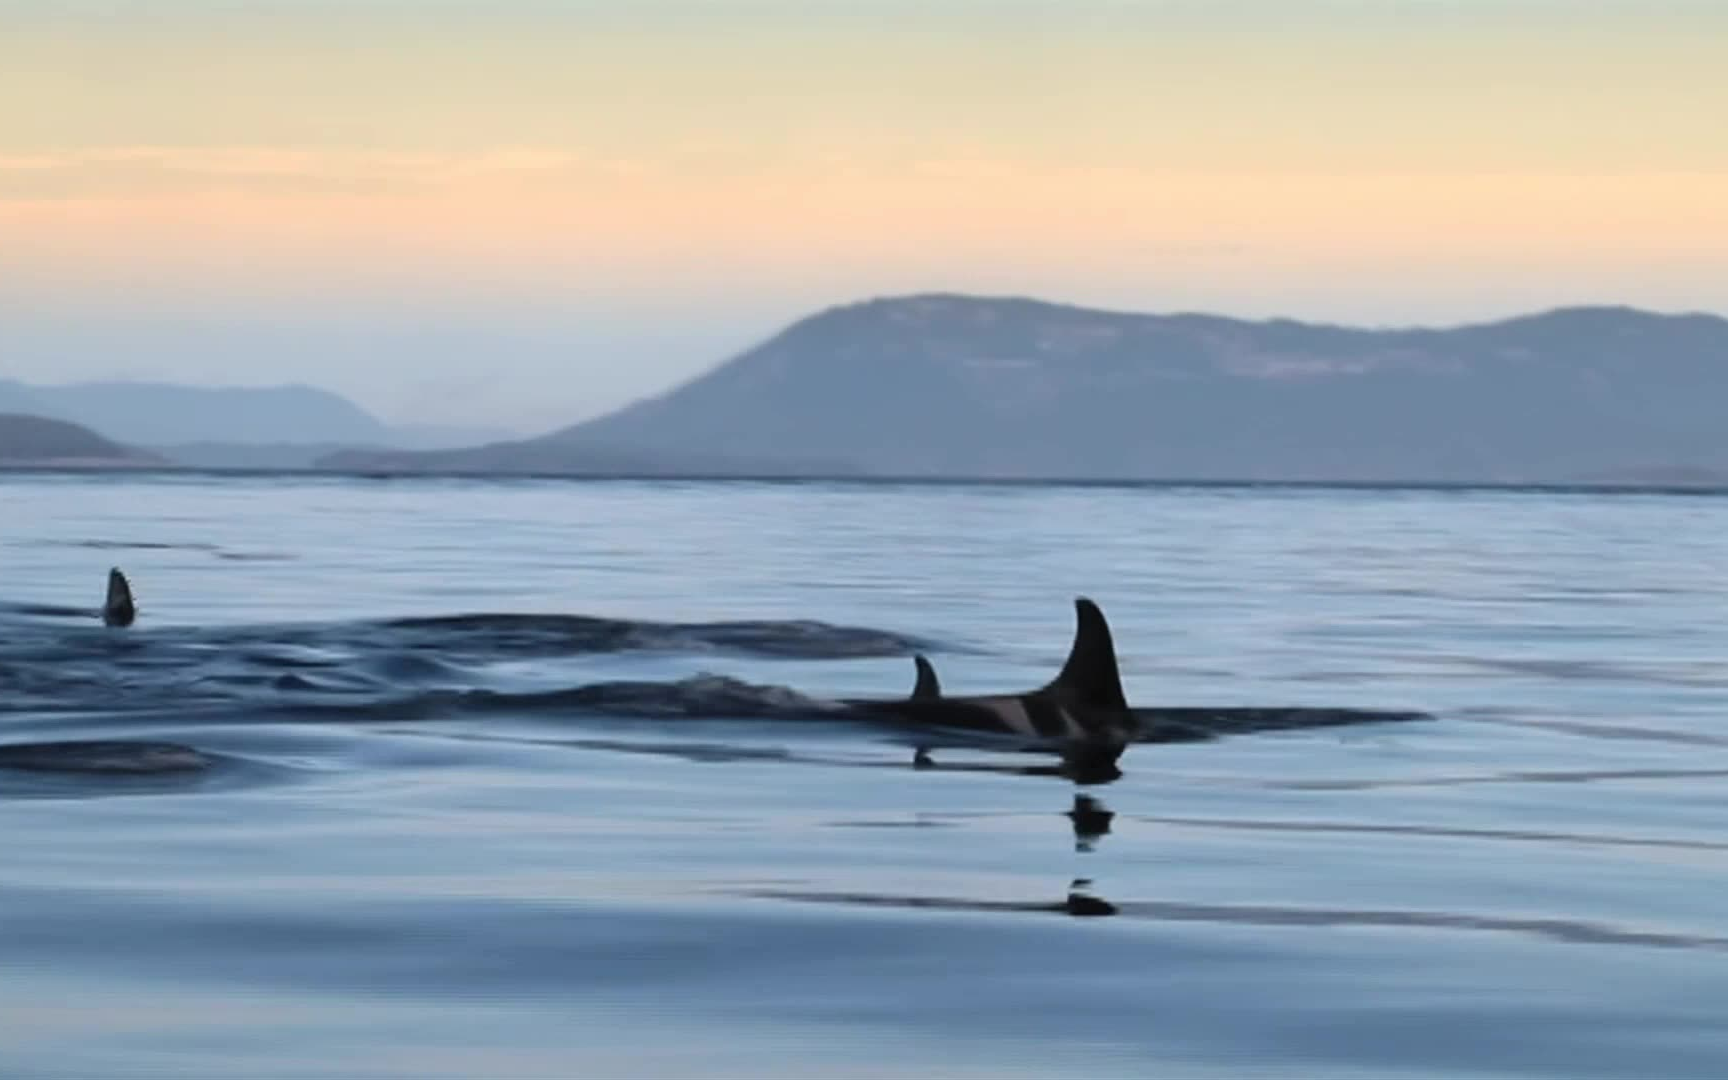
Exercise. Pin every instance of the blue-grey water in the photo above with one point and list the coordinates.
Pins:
(436, 837)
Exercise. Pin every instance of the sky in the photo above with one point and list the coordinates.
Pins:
(525, 213)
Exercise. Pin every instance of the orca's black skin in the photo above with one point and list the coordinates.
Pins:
(928, 685)
(118, 609)
(1081, 714)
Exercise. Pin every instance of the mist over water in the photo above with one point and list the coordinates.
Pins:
(535, 779)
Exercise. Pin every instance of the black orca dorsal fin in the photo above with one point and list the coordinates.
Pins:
(927, 686)
(118, 609)
(1090, 675)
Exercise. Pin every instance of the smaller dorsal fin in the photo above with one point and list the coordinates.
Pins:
(1090, 676)
(118, 609)
(927, 686)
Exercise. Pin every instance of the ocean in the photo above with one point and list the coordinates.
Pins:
(444, 778)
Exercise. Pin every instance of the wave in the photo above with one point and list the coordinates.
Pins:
(804, 639)
(49, 611)
(49, 665)
(99, 767)
(1080, 901)
(128, 757)
(213, 550)
(1200, 723)
(703, 695)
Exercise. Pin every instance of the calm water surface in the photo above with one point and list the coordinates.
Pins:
(428, 847)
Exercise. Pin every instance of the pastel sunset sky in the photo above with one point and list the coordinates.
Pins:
(523, 213)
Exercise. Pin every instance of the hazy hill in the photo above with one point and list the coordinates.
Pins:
(953, 385)
(253, 427)
(39, 441)
(570, 455)
(150, 413)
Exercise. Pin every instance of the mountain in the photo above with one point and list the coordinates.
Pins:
(566, 454)
(951, 385)
(41, 442)
(228, 427)
(441, 436)
(268, 456)
(156, 414)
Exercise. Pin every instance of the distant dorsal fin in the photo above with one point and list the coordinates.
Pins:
(1090, 675)
(927, 686)
(118, 609)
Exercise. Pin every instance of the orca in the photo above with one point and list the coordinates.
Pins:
(118, 609)
(1082, 713)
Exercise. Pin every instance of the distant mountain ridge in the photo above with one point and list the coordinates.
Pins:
(950, 385)
(42, 442)
(151, 413)
(269, 427)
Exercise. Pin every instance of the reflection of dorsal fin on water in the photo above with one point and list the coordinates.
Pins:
(1090, 676)
(118, 609)
(927, 686)
(1091, 820)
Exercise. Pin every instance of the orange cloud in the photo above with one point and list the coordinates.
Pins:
(534, 217)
